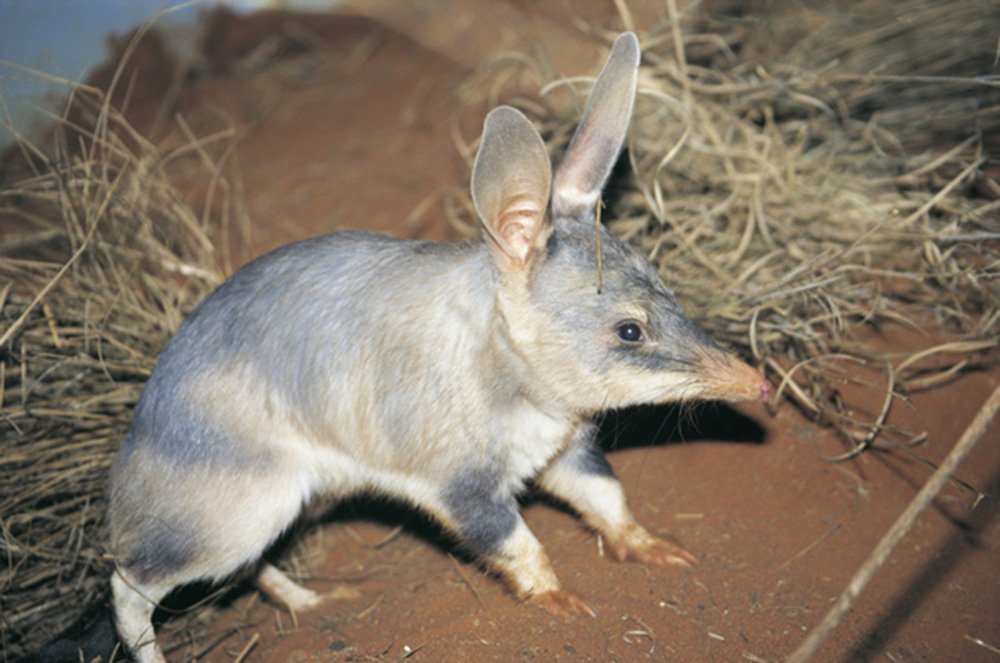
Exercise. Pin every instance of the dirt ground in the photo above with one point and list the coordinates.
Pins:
(346, 122)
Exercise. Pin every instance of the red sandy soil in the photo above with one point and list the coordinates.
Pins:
(342, 122)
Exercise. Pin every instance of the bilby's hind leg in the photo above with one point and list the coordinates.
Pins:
(134, 604)
(282, 589)
(166, 535)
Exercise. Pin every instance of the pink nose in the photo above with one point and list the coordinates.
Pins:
(730, 379)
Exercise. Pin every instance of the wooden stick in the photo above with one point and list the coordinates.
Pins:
(899, 529)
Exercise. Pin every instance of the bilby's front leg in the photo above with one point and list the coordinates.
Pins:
(583, 479)
(486, 518)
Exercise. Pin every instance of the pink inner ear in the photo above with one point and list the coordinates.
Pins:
(516, 233)
(511, 181)
(520, 222)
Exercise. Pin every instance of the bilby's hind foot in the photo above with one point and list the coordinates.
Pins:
(282, 589)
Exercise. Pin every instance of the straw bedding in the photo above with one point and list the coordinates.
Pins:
(79, 339)
(796, 201)
(803, 197)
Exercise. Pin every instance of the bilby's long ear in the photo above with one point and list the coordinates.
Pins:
(511, 180)
(599, 138)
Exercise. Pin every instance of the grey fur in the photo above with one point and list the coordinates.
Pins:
(485, 510)
(163, 548)
(586, 455)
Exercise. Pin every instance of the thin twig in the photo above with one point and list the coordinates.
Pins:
(899, 529)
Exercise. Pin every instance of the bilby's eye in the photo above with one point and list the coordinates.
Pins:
(629, 332)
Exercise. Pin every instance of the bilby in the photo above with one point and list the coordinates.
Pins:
(445, 375)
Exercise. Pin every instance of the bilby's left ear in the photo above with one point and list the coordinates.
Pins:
(598, 140)
(510, 186)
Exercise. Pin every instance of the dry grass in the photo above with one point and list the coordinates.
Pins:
(781, 201)
(778, 193)
(78, 338)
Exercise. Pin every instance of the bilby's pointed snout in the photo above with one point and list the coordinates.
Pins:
(727, 378)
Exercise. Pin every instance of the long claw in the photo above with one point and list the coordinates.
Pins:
(561, 603)
(660, 552)
(638, 545)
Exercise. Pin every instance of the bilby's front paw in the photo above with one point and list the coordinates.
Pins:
(638, 545)
(561, 603)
